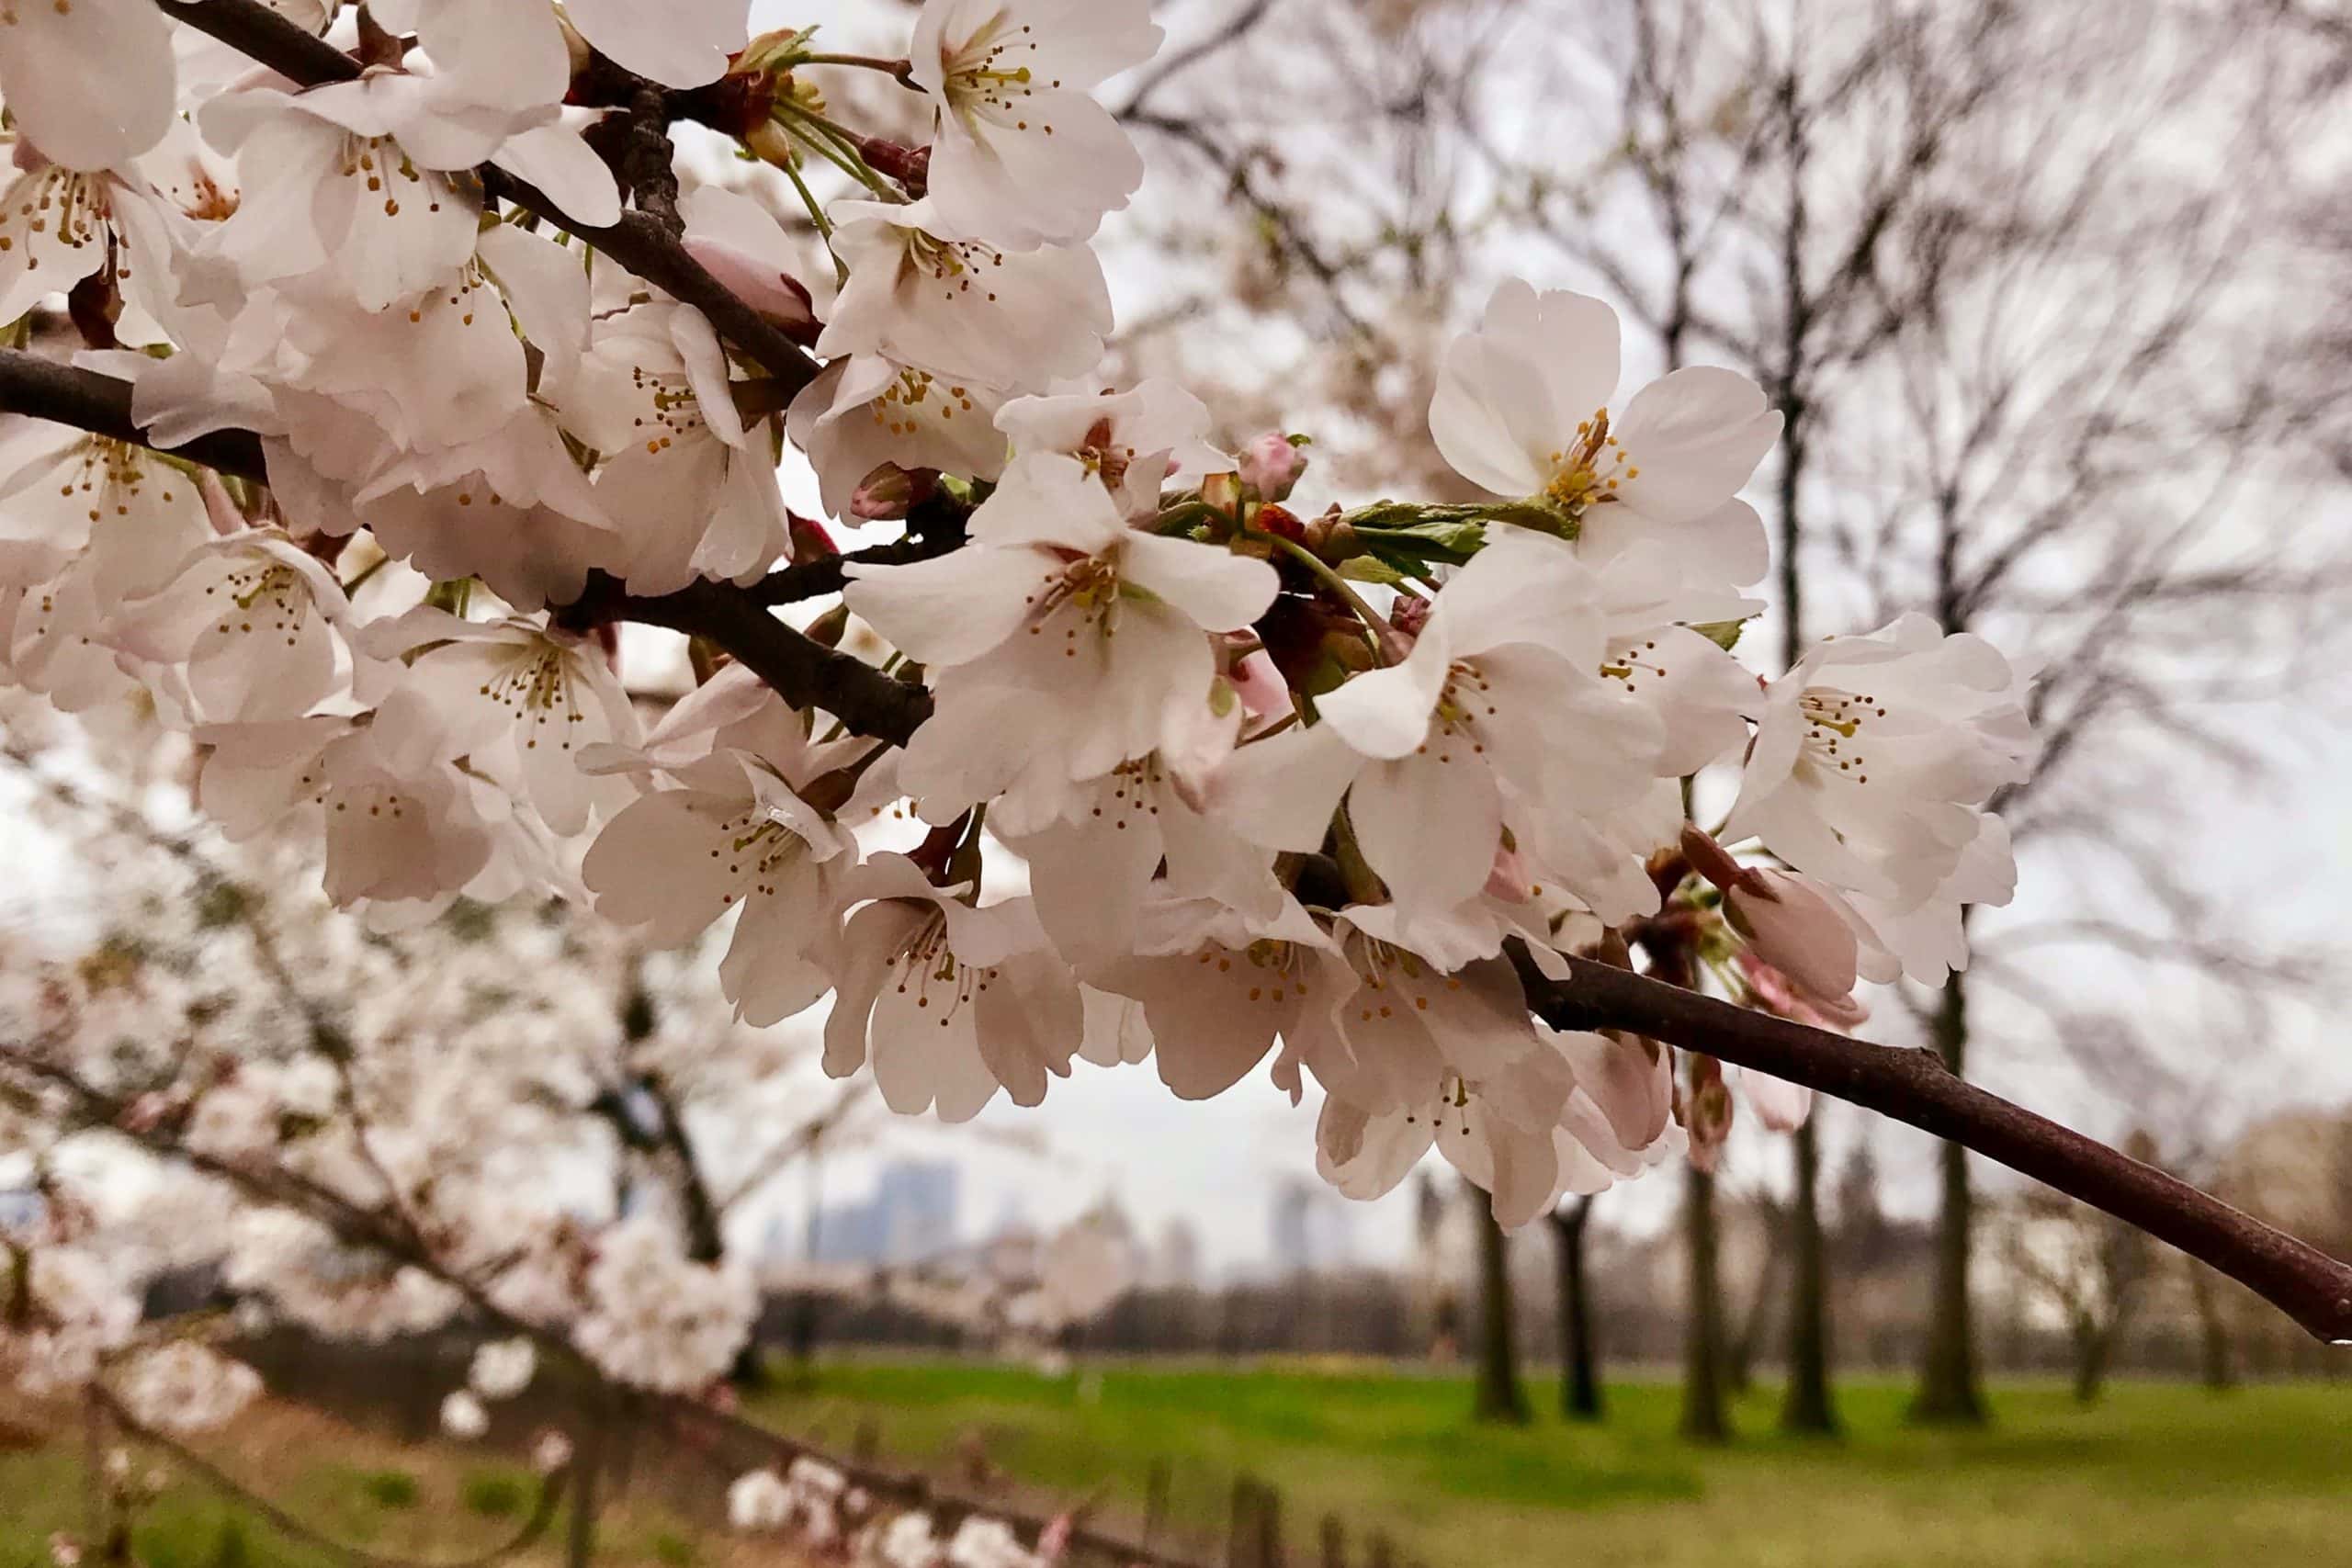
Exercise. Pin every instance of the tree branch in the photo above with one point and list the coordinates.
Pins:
(43, 388)
(640, 242)
(805, 673)
(1914, 1087)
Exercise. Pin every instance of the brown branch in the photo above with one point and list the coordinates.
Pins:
(640, 242)
(803, 671)
(44, 388)
(1914, 1087)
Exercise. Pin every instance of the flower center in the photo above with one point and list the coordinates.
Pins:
(950, 264)
(1393, 978)
(1587, 471)
(913, 396)
(70, 206)
(386, 171)
(1089, 590)
(533, 688)
(983, 77)
(1461, 707)
(1102, 455)
(757, 848)
(1630, 659)
(1833, 722)
(259, 591)
(928, 966)
(1279, 968)
(671, 407)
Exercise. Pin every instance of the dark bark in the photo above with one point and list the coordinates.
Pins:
(1807, 1405)
(1580, 1398)
(1949, 1393)
(2215, 1365)
(2092, 1343)
(1499, 1397)
(1704, 1417)
(1756, 1318)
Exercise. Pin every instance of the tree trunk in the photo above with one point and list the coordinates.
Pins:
(2091, 1363)
(1499, 1397)
(1949, 1394)
(1807, 1405)
(1704, 1419)
(1580, 1374)
(2213, 1359)
(1740, 1352)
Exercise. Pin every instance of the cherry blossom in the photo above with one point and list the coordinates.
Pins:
(1021, 154)
(521, 702)
(90, 82)
(948, 1002)
(1873, 761)
(1522, 410)
(253, 619)
(919, 292)
(689, 481)
(1068, 643)
(1497, 718)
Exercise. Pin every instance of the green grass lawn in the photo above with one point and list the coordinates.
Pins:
(436, 1502)
(2154, 1477)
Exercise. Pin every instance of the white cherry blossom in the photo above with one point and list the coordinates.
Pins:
(1497, 718)
(947, 1001)
(1133, 441)
(863, 412)
(1522, 410)
(89, 81)
(521, 702)
(1020, 153)
(254, 620)
(690, 484)
(1068, 642)
(1873, 763)
(921, 293)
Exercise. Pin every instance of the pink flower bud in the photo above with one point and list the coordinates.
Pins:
(1780, 1105)
(809, 539)
(1508, 878)
(1263, 692)
(760, 284)
(1409, 616)
(890, 493)
(1777, 994)
(1271, 465)
(1796, 927)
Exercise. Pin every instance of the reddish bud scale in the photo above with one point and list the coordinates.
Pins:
(1281, 522)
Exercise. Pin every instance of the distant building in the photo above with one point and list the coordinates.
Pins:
(1175, 1263)
(1309, 1228)
(912, 1217)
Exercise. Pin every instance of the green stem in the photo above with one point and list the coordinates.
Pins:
(817, 215)
(831, 142)
(1377, 631)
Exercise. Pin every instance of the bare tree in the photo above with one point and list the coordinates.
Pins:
(1499, 1396)
(1580, 1396)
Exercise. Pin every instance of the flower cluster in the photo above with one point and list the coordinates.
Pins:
(1303, 793)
